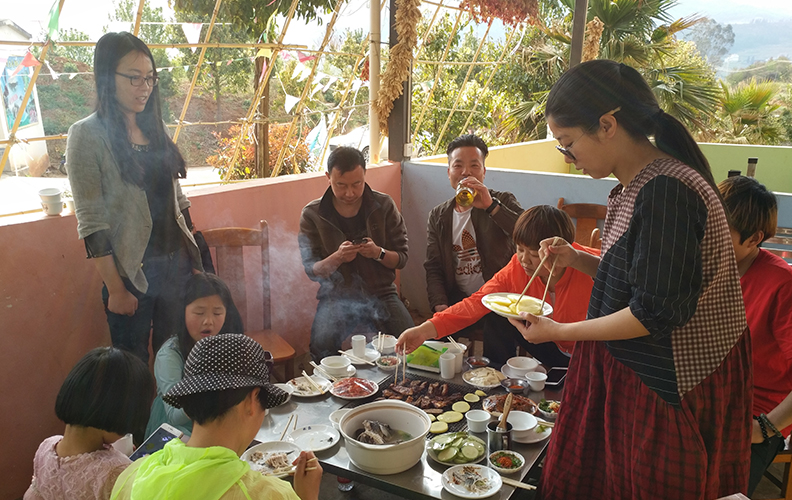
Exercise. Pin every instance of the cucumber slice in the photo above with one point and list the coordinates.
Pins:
(460, 460)
(432, 418)
(457, 443)
(444, 439)
(447, 455)
(481, 393)
(478, 446)
(438, 427)
(470, 452)
(460, 406)
(472, 398)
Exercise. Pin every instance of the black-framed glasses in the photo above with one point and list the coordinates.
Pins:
(138, 81)
(566, 150)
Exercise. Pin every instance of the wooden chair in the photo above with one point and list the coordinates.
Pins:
(229, 262)
(784, 457)
(586, 217)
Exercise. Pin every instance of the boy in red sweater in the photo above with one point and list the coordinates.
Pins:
(766, 282)
(569, 293)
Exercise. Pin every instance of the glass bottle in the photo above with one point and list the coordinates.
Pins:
(465, 195)
(345, 484)
(751, 172)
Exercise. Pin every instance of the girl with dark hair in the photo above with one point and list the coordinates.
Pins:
(658, 395)
(124, 169)
(569, 292)
(208, 310)
(105, 396)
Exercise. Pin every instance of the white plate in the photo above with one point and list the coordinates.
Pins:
(371, 355)
(287, 389)
(350, 372)
(315, 437)
(433, 454)
(373, 386)
(547, 310)
(468, 374)
(534, 436)
(304, 389)
(292, 452)
(461, 491)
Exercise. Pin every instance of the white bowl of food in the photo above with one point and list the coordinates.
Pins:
(549, 409)
(336, 366)
(520, 365)
(506, 462)
(403, 441)
(388, 363)
(522, 423)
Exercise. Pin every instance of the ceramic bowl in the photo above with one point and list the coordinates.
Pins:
(388, 363)
(388, 345)
(392, 458)
(520, 365)
(522, 423)
(514, 456)
(336, 365)
(335, 417)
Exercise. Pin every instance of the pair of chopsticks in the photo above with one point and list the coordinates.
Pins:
(318, 369)
(290, 470)
(544, 423)
(313, 382)
(356, 359)
(288, 424)
(536, 273)
(456, 344)
(517, 484)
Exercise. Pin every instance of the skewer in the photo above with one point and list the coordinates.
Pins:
(313, 382)
(541, 308)
(404, 366)
(355, 358)
(283, 434)
(535, 274)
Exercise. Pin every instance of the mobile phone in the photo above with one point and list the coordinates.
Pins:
(156, 441)
(359, 241)
(556, 376)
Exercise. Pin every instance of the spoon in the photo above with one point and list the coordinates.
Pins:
(506, 410)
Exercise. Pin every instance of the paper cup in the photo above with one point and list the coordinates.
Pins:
(52, 207)
(458, 358)
(359, 346)
(536, 380)
(477, 420)
(447, 365)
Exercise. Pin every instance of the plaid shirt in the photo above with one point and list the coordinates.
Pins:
(667, 255)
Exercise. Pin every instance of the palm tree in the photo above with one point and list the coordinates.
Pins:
(748, 114)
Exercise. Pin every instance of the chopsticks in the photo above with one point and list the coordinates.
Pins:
(323, 373)
(356, 359)
(313, 382)
(456, 344)
(288, 471)
(541, 308)
(517, 484)
(536, 273)
(544, 423)
(283, 434)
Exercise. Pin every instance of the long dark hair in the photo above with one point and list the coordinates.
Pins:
(205, 285)
(109, 51)
(589, 90)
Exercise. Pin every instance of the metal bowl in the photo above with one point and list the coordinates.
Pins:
(477, 362)
(515, 385)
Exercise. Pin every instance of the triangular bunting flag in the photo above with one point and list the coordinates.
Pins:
(297, 70)
(54, 15)
(53, 74)
(356, 85)
(285, 55)
(72, 75)
(306, 72)
(192, 31)
(28, 61)
(332, 80)
(316, 89)
(264, 53)
(290, 102)
(304, 57)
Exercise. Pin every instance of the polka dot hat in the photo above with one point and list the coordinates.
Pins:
(227, 361)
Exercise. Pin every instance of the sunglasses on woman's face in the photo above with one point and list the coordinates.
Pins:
(566, 150)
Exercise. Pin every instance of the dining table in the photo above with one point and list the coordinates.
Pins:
(423, 480)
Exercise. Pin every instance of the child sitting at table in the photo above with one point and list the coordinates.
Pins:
(208, 310)
(105, 396)
(225, 391)
(568, 292)
(766, 281)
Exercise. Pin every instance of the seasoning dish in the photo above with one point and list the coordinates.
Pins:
(477, 362)
(515, 385)
(388, 363)
(506, 462)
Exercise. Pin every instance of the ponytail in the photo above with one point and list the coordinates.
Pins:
(673, 138)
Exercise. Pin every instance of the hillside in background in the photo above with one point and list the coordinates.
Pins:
(762, 39)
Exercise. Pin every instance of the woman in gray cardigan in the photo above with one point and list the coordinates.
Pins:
(131, 213)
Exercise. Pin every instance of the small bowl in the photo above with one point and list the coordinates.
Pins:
(513, 455)
(536, 380)
(388, 344)
(477, 362)
(523, 423)
(388, 363)
(515, 385)
(520, 365)
(336, 366)
(550, 416)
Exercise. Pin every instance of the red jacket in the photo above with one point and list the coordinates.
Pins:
(572, 295)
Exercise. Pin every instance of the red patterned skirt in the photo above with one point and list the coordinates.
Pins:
(617, 439)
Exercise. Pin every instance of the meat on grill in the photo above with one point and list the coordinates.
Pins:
(433, 397)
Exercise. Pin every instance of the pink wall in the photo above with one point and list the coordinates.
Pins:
(51, 314)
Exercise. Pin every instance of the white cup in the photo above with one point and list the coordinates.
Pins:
(52, 207)
(51, 201)
(359, 346)
(447, 365)
(477, 420)
(536, 380)
(124, 445)
(458, 355)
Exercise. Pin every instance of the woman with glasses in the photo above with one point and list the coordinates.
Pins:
(131, 214)
(658, 394)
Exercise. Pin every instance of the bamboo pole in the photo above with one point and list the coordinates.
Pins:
(449, 7)
(138, 17)
(197, 70)
(306, 88)
(492, 74)
(374, 81)
(462, 88)
(34, 139)
(28, 92)
(259, 91)
(211, 45)
(439, 70)
(456, 63)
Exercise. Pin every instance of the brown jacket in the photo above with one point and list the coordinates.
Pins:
(319, 237)
(493, 239)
